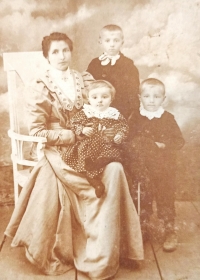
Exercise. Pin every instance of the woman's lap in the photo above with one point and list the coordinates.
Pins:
(91, 233)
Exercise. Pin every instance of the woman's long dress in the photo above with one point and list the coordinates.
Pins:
(58, 218)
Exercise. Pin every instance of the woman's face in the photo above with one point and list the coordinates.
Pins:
(59, 55)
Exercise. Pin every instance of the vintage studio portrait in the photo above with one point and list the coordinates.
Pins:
(100, 140)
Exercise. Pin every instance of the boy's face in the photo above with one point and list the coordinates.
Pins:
(111, 41)
(100, 98)
(152, 98)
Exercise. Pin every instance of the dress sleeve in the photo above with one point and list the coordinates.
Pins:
(39, 116)
(91, 68)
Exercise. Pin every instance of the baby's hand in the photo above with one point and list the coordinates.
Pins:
(109, 132)
(160, 145)
(88, 131)
(118, 139)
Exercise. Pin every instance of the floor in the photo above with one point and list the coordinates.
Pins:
(183, 264)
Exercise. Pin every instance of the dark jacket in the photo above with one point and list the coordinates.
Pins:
(143, 150)
(124, 77)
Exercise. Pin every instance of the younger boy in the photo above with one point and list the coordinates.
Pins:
(117, 69)
(154, 139)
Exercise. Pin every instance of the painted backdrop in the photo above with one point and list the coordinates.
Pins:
(162, 37)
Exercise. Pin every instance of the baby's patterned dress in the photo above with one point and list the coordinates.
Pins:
(98, 146)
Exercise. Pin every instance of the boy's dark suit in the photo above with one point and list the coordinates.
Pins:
(124, 76)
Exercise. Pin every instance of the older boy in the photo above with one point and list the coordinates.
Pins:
(117, 69)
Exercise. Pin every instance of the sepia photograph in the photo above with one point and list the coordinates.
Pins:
(100, 140)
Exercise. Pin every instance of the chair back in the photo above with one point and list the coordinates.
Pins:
(21, 68)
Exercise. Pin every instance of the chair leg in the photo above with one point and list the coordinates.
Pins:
(3, 241)
(16, 186)
(138, 198)
(76, 274)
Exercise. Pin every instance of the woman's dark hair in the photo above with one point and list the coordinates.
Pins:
(55, 36)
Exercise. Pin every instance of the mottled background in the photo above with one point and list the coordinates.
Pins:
(162, 37)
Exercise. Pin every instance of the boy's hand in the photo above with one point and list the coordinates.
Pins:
(118, 139)
(160, 145)
(88, 131)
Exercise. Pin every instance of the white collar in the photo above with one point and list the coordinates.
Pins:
(60, 75)
(151, 115)
(110, 113)
(105, 58)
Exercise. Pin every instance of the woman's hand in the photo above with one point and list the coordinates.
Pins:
(118, 139)
(160, 145)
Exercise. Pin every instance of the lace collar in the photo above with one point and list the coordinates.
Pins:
(105, 59)
(110, 113)
(151, 115)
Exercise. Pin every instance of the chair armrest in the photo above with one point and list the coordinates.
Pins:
(18, 144)
(27, 138)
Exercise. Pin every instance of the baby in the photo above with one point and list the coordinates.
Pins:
(94, 148)
(154, 139)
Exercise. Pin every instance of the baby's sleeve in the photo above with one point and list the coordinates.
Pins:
(78, 122)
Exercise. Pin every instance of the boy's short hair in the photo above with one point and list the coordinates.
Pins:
(111, 27)
(101, 83)
(151, 82)
(55, 36)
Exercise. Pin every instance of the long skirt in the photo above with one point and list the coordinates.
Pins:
(61, 223)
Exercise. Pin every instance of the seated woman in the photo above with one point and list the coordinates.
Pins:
(58, 218)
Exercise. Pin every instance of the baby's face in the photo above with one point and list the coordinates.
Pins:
(111, 41)
(100, 98)
(152, 98)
